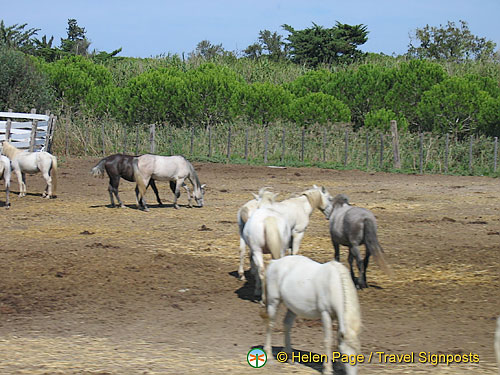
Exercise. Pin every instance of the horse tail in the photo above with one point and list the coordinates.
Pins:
(53, 175)
(373, 246)
(98, 170)
(351, 317)
(138, 178)
(272, 236)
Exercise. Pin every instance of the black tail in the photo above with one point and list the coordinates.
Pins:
(373, 246)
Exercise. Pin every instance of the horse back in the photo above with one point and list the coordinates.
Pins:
(164, 167)
(120, 165)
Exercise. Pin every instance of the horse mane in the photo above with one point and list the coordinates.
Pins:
(313, 196)
(352, 313)
(192, 173)
(9, 150)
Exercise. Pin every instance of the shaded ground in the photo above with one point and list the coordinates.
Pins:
(87, 289)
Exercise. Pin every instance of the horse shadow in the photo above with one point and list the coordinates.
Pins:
(338, 368)
(246, 291)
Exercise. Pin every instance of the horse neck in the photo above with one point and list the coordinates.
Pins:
(10, 151)
(351, 314)
(314, 199)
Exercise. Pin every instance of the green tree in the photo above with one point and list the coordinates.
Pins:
(320, 108)
(452, 106)
(265, 103)
(157, 96)
(22, 84)
(318, 45)
(410, 81)
(272, 43)
(311, 81)
(17, 37)
(381, 119)
(76, 43)
(450, 42)
(213, 94)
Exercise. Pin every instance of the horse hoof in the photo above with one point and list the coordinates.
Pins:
(176, 206)
(242, 278)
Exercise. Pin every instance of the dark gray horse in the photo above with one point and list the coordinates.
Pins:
(116, 166)
(354, 226)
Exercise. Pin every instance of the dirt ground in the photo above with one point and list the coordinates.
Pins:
(89, 289)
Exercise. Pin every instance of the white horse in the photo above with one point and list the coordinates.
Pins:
(5, 174)
(264, 198)
(175, 169)
(312, 290)
(266, 232)
(32, 162)
(298, 210)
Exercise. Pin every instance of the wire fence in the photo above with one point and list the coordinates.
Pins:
(335, 146)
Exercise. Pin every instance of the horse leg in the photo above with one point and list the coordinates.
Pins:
(350, 259)
(336, 246)
(288, 322)
(48, 179)
(361, 279)
(272, 308)
(258, 261)
(241, 272)
(367, 258)
(177, 192)
(327, 328)
(184, 185)
(21, 178)
(7, 190)
(296, 240)
(155, 189)
(141, 203)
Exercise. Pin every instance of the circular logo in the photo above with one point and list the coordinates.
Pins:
(256, 358)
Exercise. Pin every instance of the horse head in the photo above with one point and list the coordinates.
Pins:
(198, 195)
(320, 198)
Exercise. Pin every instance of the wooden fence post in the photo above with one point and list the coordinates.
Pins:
(137, 140)
(346, 147)
(421, 153)
(191, 149)
(124, 147)
(446, 152)
(302, 145)
(229, 144)
(34, 126)
(103, 133)
(495, 155)
(324, 144)
(470, 153)
(367, 146)
(395, 144)
(381, 151)
(66, 135)
(50, 133)
(209, 141)
(283, 145)
(246, 145)
(8, 126)
(266, 140)
(152, 134)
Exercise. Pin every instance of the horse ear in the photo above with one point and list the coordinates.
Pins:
(314, 186)
(323, 190)
(203, 186)
(255, 196)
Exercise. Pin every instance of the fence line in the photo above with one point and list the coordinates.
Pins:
(334, 146)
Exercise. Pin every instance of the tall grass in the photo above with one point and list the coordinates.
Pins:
(314, 146)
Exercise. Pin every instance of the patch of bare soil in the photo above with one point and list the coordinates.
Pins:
(89, 289)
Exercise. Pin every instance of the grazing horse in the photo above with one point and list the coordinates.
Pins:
(312, 290)
(32, 162)
(175, 169)
(5, 174)
(353, 226)
(263, 199)
(266, 232)
(116, 166)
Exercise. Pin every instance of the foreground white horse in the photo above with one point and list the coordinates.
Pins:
(263, 199)
(32, 162)
(266, 232)
(313, 290)
(5, 174)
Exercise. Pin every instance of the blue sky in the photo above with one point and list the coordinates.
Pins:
(153, 27)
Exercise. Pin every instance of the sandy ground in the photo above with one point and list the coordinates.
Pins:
(89, 289)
